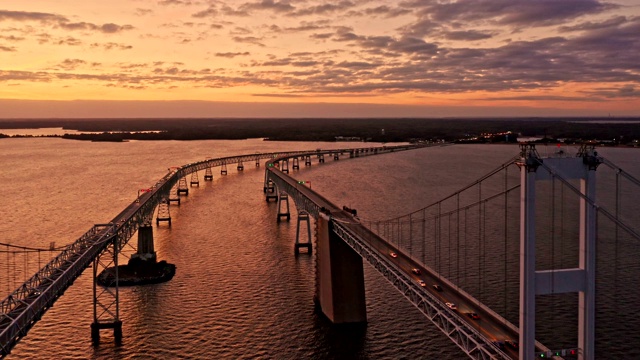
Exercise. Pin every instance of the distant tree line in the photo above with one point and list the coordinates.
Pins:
(308, 129)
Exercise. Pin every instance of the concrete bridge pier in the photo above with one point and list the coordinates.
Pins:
(182, 186)
(270, 190)
(164, 214)
(303, 216)
(307, 160)
(285, 166)
(283, 199)
(240, 165)
(296, 163)
(320, 158)
(339, 277)
(336, 156)
(223, 169)
(146, 249)
(194, 179)
(208, 174)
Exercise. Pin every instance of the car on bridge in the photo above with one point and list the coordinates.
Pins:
(422, 283)
(473, 315)
(416, 271)
(437, 287)
(511, 343)
(451, 306)
(393, 255)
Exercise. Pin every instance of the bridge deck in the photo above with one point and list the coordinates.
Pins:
(491, 327)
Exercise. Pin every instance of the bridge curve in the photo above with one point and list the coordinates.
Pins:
(476, 342)
(24, 307)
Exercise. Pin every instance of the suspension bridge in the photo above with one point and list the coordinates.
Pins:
(438, 257)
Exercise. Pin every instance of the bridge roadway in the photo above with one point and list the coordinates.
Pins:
(480, 338)
(25, 306)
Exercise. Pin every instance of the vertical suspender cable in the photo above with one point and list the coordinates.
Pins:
(552, 230)
(616, 234)
(410, 239)
(424, 237)
(504, 206)
(458, 238)
(449, 248)
(464, 268)
(480, 241)
(439, 244)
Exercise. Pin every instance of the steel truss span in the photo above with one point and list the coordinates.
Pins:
(353, 234)
(468, 339)
(26, 305)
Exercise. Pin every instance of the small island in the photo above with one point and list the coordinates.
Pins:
(143, 267)
(138, 272)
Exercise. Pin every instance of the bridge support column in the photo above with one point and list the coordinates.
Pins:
(307, 160)
(106, 302)
(240, 165)
(285, 166)
(336, 156)
(528, 167)
(339, 277)
(558, 281)
(174, 196)
(163, 213)
(283, 199)
(194, 179)
(587, 258)
(320, 158)
(303, 216)
(223, 169)
(270, 190)
(296, 163)
(146, 250)
(208, 174)
(182, 186)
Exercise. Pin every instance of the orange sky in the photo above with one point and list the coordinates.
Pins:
(319, 58)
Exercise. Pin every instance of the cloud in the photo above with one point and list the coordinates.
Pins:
(248, 40)
(386, 11)
(71, 64)
(625, 91)
(324, 9)
(588, 25)
(11, 38)
(467, 35)
(540, 98)
(174, 2)
(269, 5)
(142, 12)
(111, 46)
(60, 21)
(71, 41)
(405, 44)
(31, 16)
(211, 11)
(231, 55)
(7, 48)
(516, 13)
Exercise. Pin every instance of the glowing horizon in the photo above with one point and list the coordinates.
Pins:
(459, 58)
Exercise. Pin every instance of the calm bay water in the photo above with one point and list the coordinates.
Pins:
(239, 292)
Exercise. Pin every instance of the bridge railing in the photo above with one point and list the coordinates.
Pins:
(470, 340)
(24, 307)
(467, 338)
